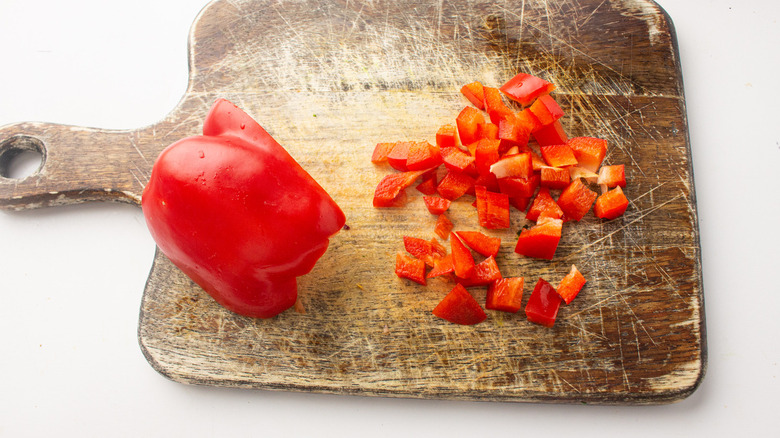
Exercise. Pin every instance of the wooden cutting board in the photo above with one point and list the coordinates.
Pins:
(330, 79)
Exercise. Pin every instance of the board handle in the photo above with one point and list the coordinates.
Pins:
(77, 165)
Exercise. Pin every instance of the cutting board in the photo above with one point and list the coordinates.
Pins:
(329, 80)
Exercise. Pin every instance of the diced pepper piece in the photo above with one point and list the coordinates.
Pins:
(519, 202)
(458, 161)
(481, 243)
(611, 205)
(589, 151)
(492, 208)
(495, 106)
(555, 178)
(486, 154)
(546, 110)
(454, 185)
(398, 155)
(460, 307)
(436, 205)
(513, 132)
(541, 240)
(381, 151)
(558, 155)
(447, 136)
(543, 305)
(462, 260)
(422, 155)
(525, 88)
(571, 285)
(421, 249)
(468, 122)
(519, 165)
(537, 161)
(576, 200)
(612, 176)
(485, 273)
(576, 172)
(441, 266)
(443, 227)
(392, 186)
(551, 134)
(409, 267)
(528, 118)
(488, 181)
(544, 206)
(505, 294)
(489, 131)
(519, 187)
(474, 92)
(428, 185)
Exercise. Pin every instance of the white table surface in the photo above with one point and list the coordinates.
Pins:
(71, 278)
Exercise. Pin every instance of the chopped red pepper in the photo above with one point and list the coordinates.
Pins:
(489, 131)
(555, 178)
(428, 186)
(391, 186)
(421, 249)
(422, 155)
(612, 176)
(447, 136)
(454, 185)
(481, 243)
(485, 273)
(525, 88)
(398, 155)
(505, 294)
(546, 110)
(558, 155)
(576, 200)
(495, 106)
(551, 134)
(409, 267)
(513, 132)
(488, 181)
(519, 202)
(544, 206)
(486, 154)
(462, 260)
(571, 285)
(589, 151)
(542, 307)
(528, 118)
(519, 187)
(381, 151)
(460, 307)
(458, 161)
(443, 227)
(518, 165)
(611, 205)
(436, 205)
(474, 92)
(541, 240)
(468, 122)
(492, 208)
(441, 266)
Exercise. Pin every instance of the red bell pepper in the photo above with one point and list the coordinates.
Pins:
(525, 88)
(544, 206)
(554, 178)
(409, 267)
(558, 155)
(422, 155)
(392, 186)
(485, 273)
(436, 205)
(492, 208)
(237, 214)
(468, 123)
(421, 249)
(546, 110)
(543, 305)
(462, 260)
(528, 118)
(488, 131)
(589, 151)
(443, 227)
(429, 183)
(551, 134)
(481, 243)
(458, 161)
(460, 307)
(454, 185)
(612, 176)
(541, 240)
(505, 294)
(398, 155)
(474, 92)
(571, 285)
(518, 165)
(495, 106)
(513, 132)
(447, 136)
(381, 151)
(611, 205)
(519, 187)
(486, 154)
(576, 200)
(442, 266)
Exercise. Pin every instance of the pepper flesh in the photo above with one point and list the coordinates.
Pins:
(237, 214)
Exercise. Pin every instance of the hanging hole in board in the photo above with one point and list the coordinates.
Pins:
(21, 157)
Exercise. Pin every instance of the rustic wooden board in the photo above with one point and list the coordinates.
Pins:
(329, 79)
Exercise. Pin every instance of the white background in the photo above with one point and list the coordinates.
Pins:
(71, 278)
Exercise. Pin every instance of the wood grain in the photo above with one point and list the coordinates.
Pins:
(330, 79)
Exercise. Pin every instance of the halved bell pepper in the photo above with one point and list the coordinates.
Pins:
(460, 307)
(541, 240)
(543, 305)
(505, 294)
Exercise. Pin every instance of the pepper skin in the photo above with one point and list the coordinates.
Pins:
(237, 214)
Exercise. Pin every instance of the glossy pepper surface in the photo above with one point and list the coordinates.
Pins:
(237, 214)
